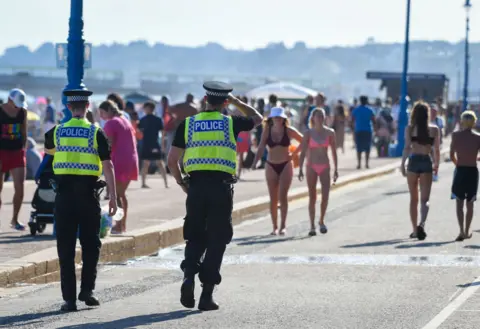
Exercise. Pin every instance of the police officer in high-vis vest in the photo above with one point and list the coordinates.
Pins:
(207, 142)
(80, 151)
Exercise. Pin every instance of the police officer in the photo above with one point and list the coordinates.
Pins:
(80, 150)
(207, 142)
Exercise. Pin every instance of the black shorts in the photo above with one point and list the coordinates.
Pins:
(420, 164)
(151, 154)
(465, 183)
(363, 141)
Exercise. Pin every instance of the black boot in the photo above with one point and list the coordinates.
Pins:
(69, 306)
(88, 298)
(206, 302)
(187, 292)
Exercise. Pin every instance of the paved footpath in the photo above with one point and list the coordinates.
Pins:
(365, 273)
(147, 207)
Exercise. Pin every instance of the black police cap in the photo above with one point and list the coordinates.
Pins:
(217, 89)
(77, 95)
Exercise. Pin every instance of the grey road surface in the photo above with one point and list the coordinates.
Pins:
(365, 273)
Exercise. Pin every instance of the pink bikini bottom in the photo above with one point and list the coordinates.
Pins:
(319, 168)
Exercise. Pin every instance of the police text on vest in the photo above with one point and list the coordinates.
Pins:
(74, 132)
(209, 125)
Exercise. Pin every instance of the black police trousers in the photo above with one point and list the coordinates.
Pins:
(77, 210)
(207, 228)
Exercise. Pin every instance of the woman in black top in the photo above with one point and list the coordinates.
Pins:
(421, 139)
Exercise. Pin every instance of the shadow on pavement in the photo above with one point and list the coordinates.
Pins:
(134, 321)
(395, 192)
(25, 238)
(26, 319)
(375, 243)
(472, 247)
(470, 284)
(250, 238)
(424, 244)
(272, 240)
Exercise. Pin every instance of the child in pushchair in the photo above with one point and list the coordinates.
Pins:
(43, 201)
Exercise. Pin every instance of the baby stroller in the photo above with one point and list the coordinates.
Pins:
(43, 202)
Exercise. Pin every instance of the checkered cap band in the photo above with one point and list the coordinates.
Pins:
(77, 98)
(217, 93)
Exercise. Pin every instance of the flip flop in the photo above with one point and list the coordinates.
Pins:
(312, 232)
(413, 235)
(283, 231)
(274, 232)
(323, 229)
(18, 227)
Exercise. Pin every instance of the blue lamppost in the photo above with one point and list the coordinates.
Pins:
(403, 117)
(467, 56)
(75, 59)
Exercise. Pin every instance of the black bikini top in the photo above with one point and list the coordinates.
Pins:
(423, 141)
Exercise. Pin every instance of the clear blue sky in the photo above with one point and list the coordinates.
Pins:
(243, 24)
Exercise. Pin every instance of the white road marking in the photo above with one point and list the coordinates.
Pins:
(453, 306)
(455, 294)
(468, 311)
(166, 257)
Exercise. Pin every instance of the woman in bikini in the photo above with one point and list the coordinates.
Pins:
(277, 135)
(421, 139)
(315, 144)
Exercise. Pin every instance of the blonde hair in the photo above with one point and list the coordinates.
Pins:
(468, 119)
(312, 115)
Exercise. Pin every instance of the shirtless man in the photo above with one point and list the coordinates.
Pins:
(463, 153)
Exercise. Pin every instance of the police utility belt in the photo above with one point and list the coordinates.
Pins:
(78, 188)
(230, 181)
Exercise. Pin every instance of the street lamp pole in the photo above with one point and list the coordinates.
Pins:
(467, 56)
(76, 46)
(403, 117)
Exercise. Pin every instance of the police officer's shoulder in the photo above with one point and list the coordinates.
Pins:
(217, 88)
(50, 134)
(51, 131)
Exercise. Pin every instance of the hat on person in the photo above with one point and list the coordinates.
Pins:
(217, 89)
(277, 112)
(18, 97)
(77, 95)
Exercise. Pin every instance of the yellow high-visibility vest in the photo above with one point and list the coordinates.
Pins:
(210, 143)
(76, 149)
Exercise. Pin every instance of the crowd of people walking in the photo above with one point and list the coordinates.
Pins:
(205, 149)
(141, 136)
